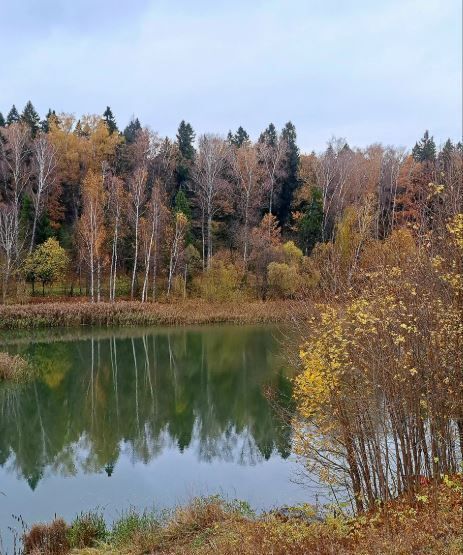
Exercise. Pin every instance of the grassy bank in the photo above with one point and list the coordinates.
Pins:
(429, 523)
(125, 313)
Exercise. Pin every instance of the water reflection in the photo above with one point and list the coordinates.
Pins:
(136, 394)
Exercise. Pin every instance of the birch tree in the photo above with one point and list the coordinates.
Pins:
(247, 171)
(7, 244)
(137, 188)
(209, 184)
(271, 153)
(44, 158)
(176, 248)
(116, 202)
(92, 231)
(15, 154)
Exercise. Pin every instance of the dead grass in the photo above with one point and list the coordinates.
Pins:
(126, 313)
(431, 523)
(13, 368)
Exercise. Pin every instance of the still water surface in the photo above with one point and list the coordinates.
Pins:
(142, 418)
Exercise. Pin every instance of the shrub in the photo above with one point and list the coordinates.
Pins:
(47, 539)
(221, 282)
(87, 530)
(292, 253)
(283, 279)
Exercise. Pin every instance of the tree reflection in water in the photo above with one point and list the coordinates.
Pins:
(141, 392)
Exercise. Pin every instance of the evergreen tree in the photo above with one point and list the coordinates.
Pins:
(13, 116)
(110, 120)
(239, 138)
(291, 168)
(45, 123)
(182, 204)
(309, 224)
(130, 132)
(186, 149)
(425, 149)
(185, 140)
(269, 136)
(31, 118)
(2, 120)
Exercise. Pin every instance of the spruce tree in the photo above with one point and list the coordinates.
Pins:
(2, 120)
(425, 149)
(310, 223)
(49, 118)
(13, 116)
(110, 120)
(239, 138)
(185, 140)
(31, 118)
(269, 136)
(130, 132)
(291, 169)
(186, 149)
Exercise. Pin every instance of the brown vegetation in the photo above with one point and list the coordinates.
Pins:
(13, 368)
(431, 522)
(126, 313)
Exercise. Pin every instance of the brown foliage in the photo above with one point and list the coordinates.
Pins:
(47, 539)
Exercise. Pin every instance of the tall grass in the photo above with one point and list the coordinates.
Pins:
(209, 526)
(126, 313)
(14, 368)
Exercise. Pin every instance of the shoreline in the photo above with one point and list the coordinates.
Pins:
(134, 313)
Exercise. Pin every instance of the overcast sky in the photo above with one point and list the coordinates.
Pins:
(367, 70)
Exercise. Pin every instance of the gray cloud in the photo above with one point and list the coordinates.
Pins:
(365, 70)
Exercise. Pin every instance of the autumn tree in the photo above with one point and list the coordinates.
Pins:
(265, 248)
(177, 234)
(116, 199)
(92, 230)
(272, 150)
(45, 161)
(209, 185)
(47, 264)
(247, 172)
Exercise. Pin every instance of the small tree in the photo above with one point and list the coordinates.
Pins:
(47, 264)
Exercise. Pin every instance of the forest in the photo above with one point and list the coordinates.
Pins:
(362, 246)
(91, 211)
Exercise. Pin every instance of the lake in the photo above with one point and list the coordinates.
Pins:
(144, 418)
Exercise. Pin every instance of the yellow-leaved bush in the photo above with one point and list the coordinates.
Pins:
(379, 396)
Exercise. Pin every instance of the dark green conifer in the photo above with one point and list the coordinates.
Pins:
(130, 132)
(425, 149)
(13, 116)
(110, 120)
(31, 118)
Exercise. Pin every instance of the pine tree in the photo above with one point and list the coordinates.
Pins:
(31, 118)
(425, 149)
(186, 149)
(290, 180)
(110, 120)
(2, 120)
(130, 132)
(13, 116)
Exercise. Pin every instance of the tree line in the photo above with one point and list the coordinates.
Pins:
(111, 213)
